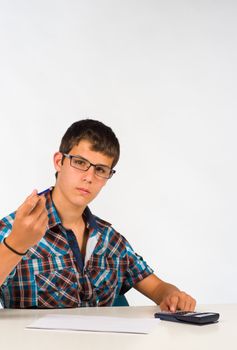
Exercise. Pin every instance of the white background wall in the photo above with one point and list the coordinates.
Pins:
(163, 75)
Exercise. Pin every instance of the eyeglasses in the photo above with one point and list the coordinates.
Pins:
(83, 164)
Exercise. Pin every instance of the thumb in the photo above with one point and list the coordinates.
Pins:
(33, 193)
(29, 204)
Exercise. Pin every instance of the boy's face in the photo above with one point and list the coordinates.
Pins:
(79, 187)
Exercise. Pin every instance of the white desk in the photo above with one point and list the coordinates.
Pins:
(167, 335)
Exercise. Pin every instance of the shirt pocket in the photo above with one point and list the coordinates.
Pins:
(103, 274)
(57, 283)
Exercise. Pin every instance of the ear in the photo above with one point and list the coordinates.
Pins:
(57, 158)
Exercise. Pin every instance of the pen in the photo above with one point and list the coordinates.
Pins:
(45, 191)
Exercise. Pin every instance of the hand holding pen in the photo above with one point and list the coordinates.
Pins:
(30, 223)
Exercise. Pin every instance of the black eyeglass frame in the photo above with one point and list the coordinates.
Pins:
(71, 156)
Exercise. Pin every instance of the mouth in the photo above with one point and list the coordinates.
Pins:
(83, 190)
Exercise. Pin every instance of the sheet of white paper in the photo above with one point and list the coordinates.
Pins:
(95, 324)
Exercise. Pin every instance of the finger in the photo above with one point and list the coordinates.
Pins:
(43, 220)
(173, 303)
(187, 306)
(41, 224)
(33, 193)
(182, 304)
(39, 208)
(38, 204)
(187, 302)
(29, 204)
(164, 306)
(193, 305)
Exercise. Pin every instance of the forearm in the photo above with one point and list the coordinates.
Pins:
(155, 289)
(8, 261)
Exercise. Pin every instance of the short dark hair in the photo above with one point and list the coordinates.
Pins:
(101, 137)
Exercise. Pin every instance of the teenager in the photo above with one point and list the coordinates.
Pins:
(55, 253)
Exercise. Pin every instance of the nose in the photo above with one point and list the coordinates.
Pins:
(89, 174)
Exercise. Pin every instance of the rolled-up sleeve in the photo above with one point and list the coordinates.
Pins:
(137, 268)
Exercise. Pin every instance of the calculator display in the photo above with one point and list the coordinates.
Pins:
(203, 315)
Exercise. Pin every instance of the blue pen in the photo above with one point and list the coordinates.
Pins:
(45, 191)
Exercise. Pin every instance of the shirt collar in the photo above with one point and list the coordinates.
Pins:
(90, 219)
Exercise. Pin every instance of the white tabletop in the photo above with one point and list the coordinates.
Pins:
(167, 335)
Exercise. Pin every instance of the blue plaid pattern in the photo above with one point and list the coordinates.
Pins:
(49, 275)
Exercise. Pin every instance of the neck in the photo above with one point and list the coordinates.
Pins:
(69, 214)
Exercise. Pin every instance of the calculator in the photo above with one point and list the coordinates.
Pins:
(199, 318)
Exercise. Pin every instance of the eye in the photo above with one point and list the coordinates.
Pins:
(101, 170)
(80, 162)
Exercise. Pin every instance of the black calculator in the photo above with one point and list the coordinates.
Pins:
(199, 318)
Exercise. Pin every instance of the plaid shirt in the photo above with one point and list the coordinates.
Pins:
(53, 274)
